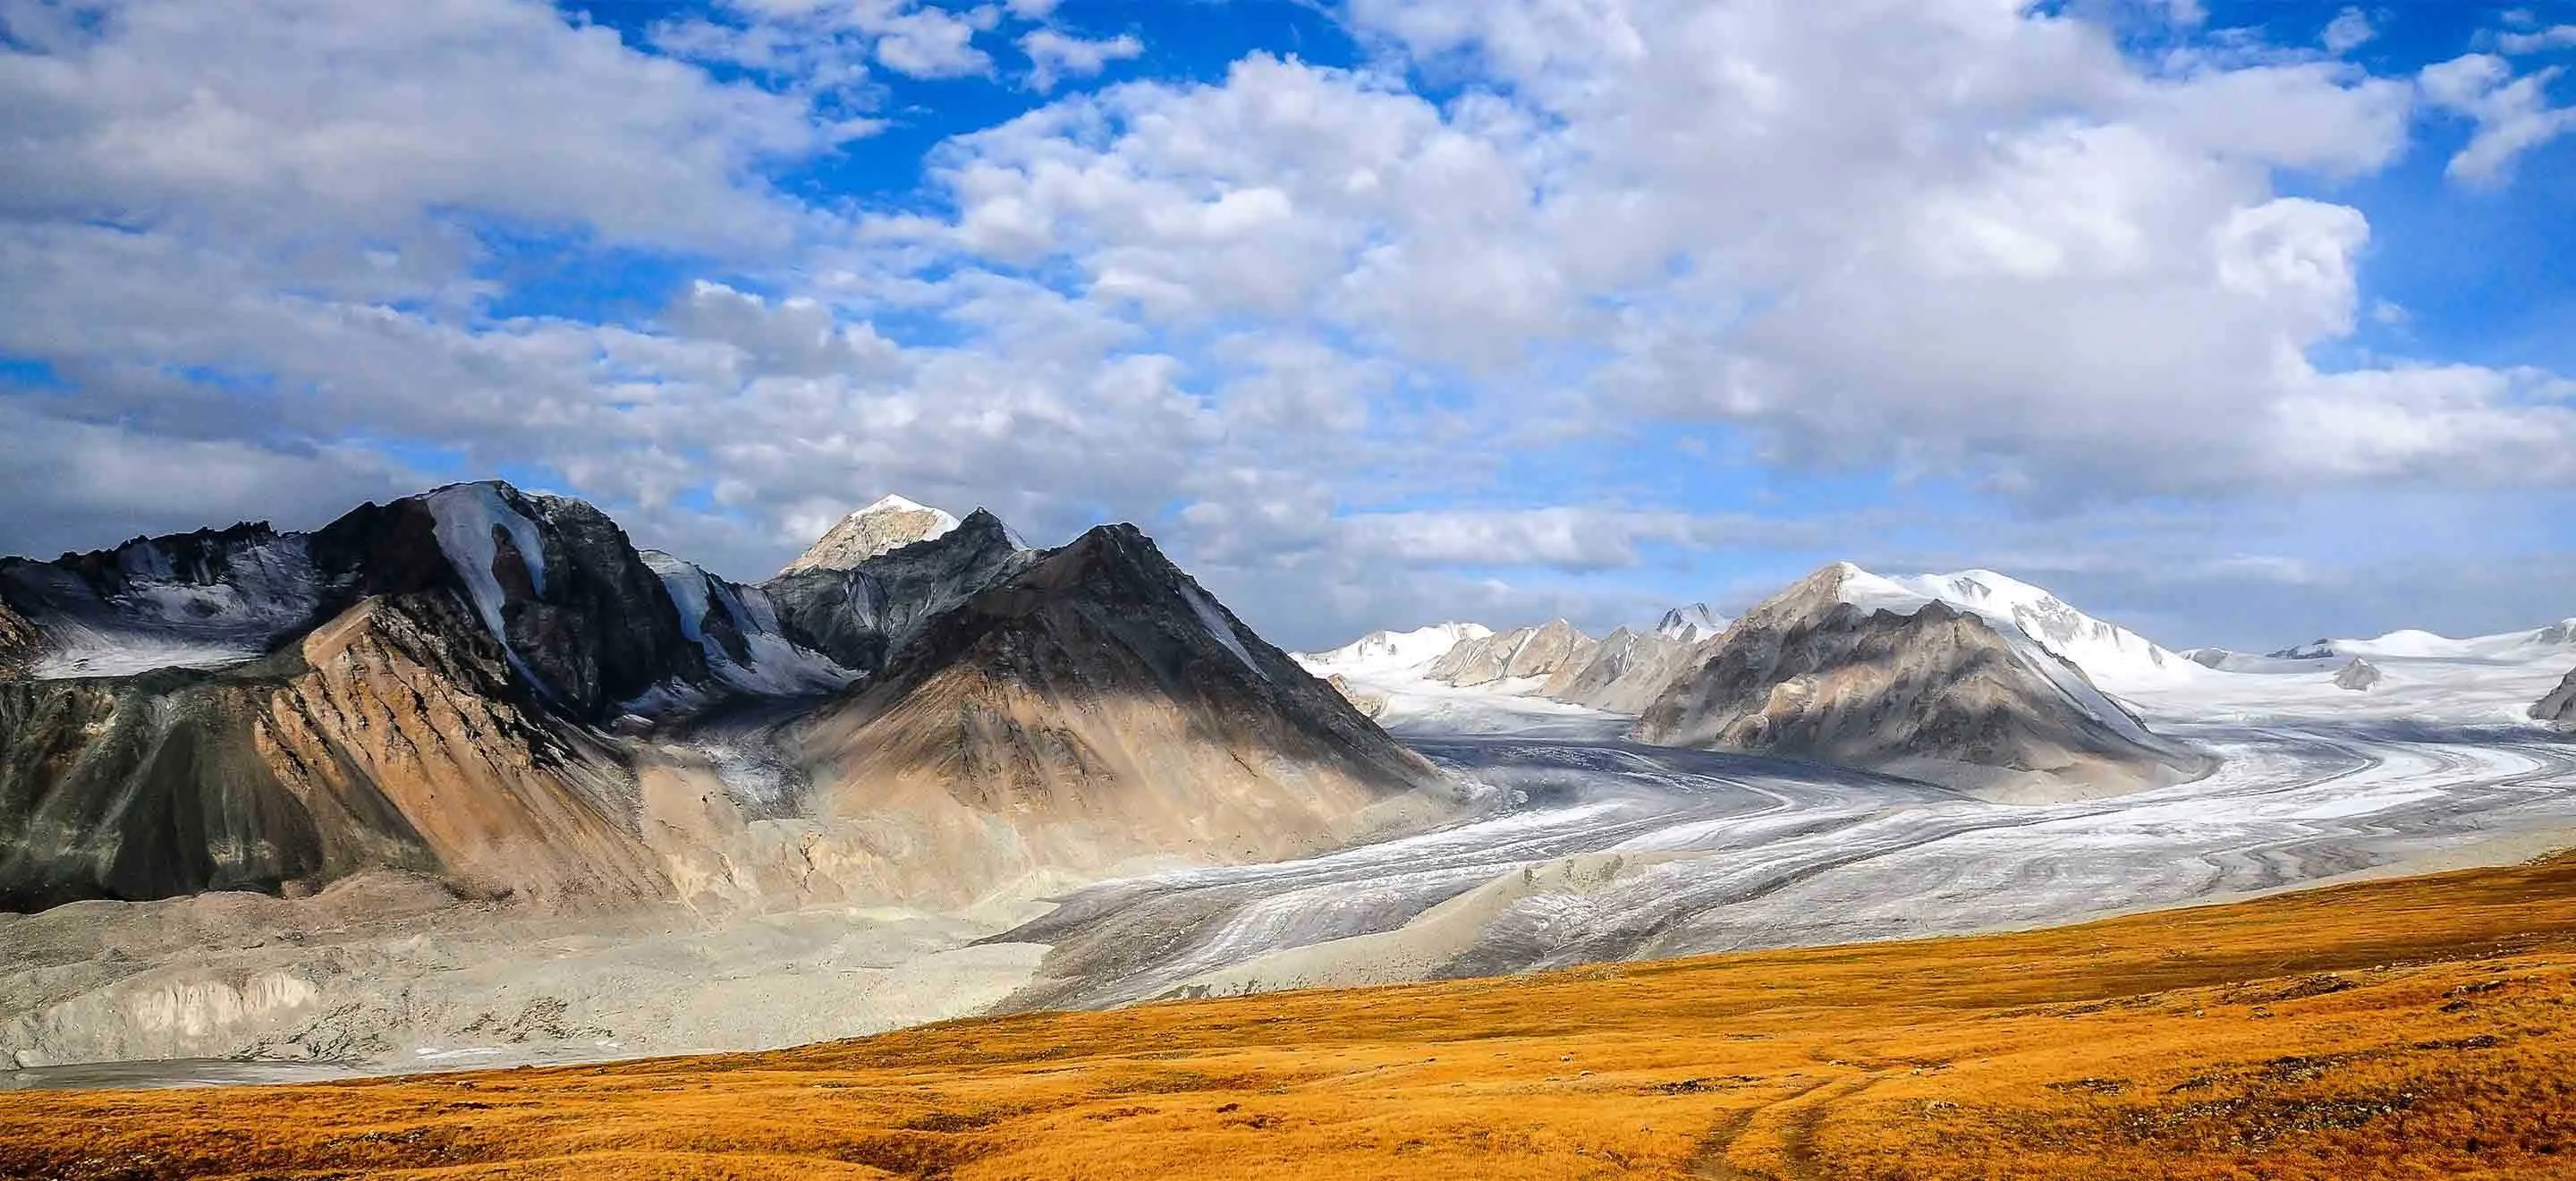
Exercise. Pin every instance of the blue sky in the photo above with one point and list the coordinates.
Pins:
(2240, 323)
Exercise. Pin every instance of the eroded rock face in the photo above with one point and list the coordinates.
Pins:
(2560, 705)
(1542, 651)
(20, 645)
(1370, 705)
(1935, 694)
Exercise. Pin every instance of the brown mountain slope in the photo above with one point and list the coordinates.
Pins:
(390, 738)
(1937, 694)
(2421, 1027)
(1625, 672)
(1093, 707)
(1540, 651)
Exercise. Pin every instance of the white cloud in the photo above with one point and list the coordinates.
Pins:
(264, 117)
(930, 43)
(1293, 318)
(2349, 30)
(2511, 115)
(2554, 37)
(1055, 56)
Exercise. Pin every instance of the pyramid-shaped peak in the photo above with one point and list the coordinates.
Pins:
(890, 523)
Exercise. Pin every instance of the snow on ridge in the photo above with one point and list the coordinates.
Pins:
(2108, 653)
(1691, 624)
(464, 517)
(162, 619)
(1385, 652)
(2418, 644)
(775, 666)
(890, 523)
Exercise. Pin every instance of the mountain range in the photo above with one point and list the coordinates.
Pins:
(497, 690)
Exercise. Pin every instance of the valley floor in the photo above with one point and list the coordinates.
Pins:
(1586, 849)
(2408, 1027)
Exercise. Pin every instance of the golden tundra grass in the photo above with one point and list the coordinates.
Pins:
(2407, 1028)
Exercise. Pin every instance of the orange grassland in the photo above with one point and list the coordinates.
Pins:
(2402, 1028)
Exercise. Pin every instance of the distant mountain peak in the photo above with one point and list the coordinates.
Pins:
(1691, 624)
(890, 523)
(2106, 652)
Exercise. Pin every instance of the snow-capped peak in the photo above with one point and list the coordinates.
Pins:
(1385, 652)
(893, 502)
(892, 522)
(2109, 654)
(1691, 624)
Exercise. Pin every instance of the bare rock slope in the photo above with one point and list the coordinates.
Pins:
(1541, 651)
(2560, 704)
(1113, 710)
(1936, 693)
(1627, 670)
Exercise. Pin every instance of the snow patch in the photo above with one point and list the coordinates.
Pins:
(465, 517)
(774, 666)
(1217, 625)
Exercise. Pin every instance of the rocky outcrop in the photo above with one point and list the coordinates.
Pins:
(1370, 705)
(20, 644)
(2357, 676)
(1542, 651)
(1936, 693)
(2560, 704)
(1626, 672)
(858, 616)
(1093, 706)
(889, 524)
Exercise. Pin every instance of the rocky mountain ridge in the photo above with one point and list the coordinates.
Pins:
(497, 690)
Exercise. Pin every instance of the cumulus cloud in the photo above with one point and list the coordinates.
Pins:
(1055, 56)
(1295, 318)
(2511, 115)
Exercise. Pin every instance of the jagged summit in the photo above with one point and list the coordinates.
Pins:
(1690, 624)
(891, 523)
